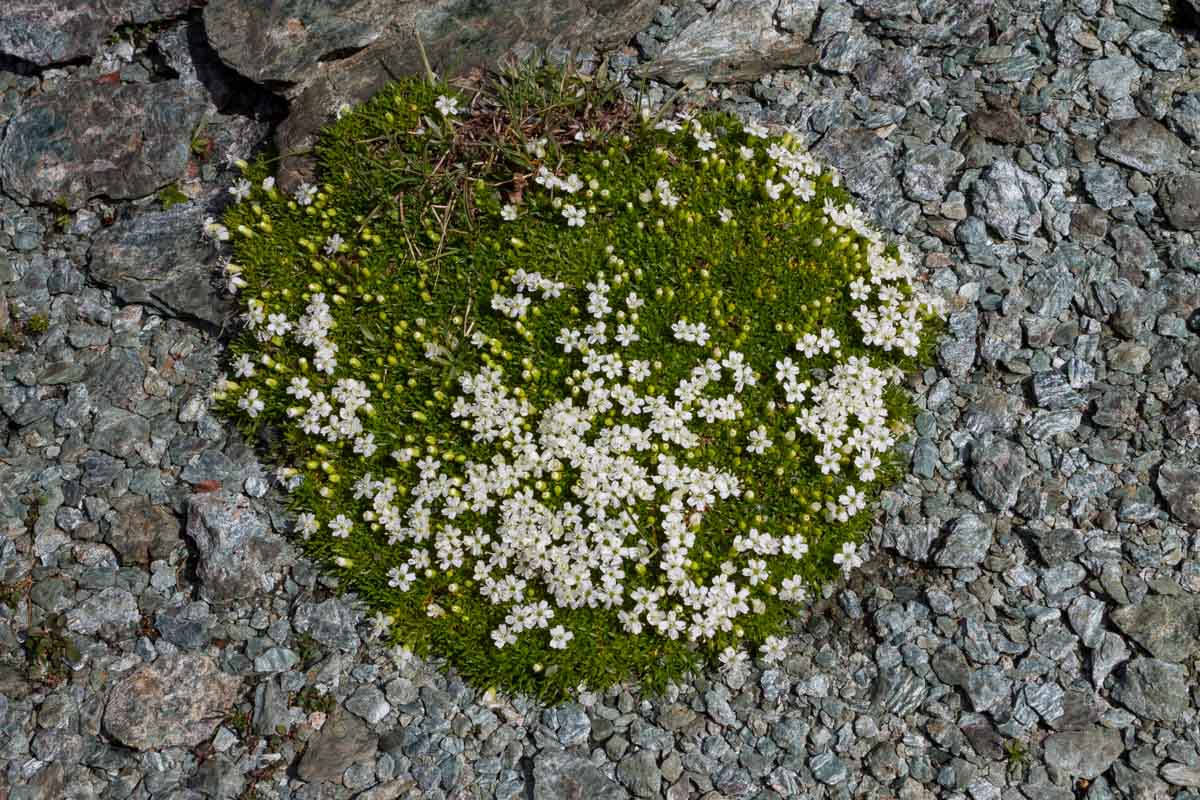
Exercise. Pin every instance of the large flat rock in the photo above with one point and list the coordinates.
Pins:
(177, 701)
(157, 258)
(53, 31)
(92, 139)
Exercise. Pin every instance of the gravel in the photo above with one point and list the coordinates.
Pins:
(1027, 624)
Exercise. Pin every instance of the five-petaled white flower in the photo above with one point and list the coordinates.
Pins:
(508, 212)
(559, 636)
(448, 106)
(574, 216)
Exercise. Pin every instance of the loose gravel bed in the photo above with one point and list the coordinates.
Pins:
(1028, 620)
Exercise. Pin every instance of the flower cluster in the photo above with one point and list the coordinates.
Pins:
(659, 392)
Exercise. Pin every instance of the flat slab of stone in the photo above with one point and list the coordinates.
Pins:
(1143, 144)
(99, 140)
(157, 258)
(1085, 753)
(1169, 627)
(236, 548)
(738, 41)
(53, 31)
(176, 701)
(343, 740)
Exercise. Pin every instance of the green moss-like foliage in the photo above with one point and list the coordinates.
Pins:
(421, 219)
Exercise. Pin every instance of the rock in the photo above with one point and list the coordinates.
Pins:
(331, 623)
(957, 355)
(1179, 484)
(1153, 689)
(1009, 199)
(1157, 48)
(1000, 125)
(45, 32)
(640, 774)
(159, 259)
(270, 708)
(184, 626)
(111, 612)
(828, 768)
(1086, 615)
(988, 687)
(1179, 198)
(797, 16)
(119, 432)
(1114, 77)
(1106, 186)
(738, 41)
(314, 53)
(559, 775)
(369, 703)
(89, 140)
(1178, 774)
(176, 701)
(927, 170)
(1167, 626)
(865, 161)
(1053, 390)
(237, 553)
(142, 531)
(967, 544)
(1085, 753)
(997, 470)
(343, 740)
(1143, 144)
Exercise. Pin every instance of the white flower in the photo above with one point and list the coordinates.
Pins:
(755, 129)
(793, 546)
(733, 660)
(401, 577)
(298, 388)
(508, 212)
(626, 335)
(243, 367)
(447, 106)
(704, 140)
(268, 183)
(240, 189)
(633, 302)
(306, 524)
(759, 441)
(774, 190)
(574, 216)
(848, 559)
(278, 325)
(333, 243)
(215, 231)
(773, 649)
(305, 194)
(379, 624)
(559, 636)
(365, 445)
(250, 403)
(725, 215)
(340, 526)
(745, 153)
(342, 110)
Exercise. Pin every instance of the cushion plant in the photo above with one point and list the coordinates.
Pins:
(567, 391)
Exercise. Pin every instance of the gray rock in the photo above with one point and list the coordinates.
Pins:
(1106, 186)
(54, 32)
(1053, 390)
(158, 258)
(559, 775)
(1157, 48)
(957, 355)
(737, 41)
(865, 161)
(797, 16)
(1177, 774)
(184, 625)
(927, 170)
(1085, 753)
(110, 611)
(1114, 77)
(369, 703)
(276, 659)
(967, 543)
(237, 551)
(1143, 144)
(331, 623)
(640, 774)
(89, 140)
(118, 432)
(176, 701)
(270, 708)
(828, 768)
(1179, 198)
(1086, 615)
(142, 531)
(997, 471)
(1179, 484)
(1168, 626)
(988, 687)
(343, 740)
(1153, 689)
(1009, 199)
